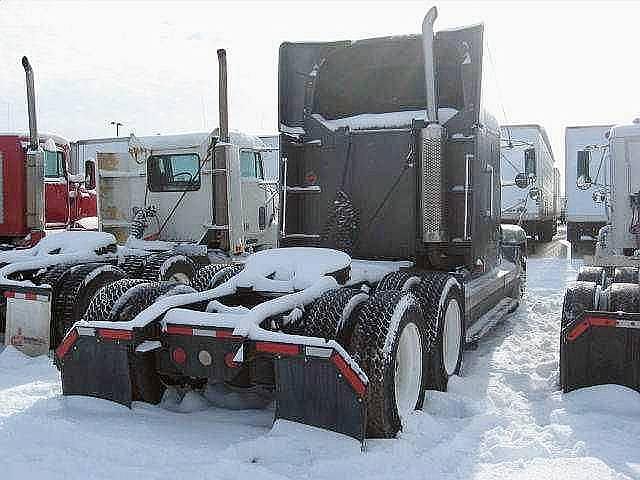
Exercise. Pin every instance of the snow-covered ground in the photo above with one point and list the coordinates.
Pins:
(505, 418)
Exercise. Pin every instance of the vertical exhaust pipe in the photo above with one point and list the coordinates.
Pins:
(432, 168)
(429, 61)
(223, 106)
(34, 167)
(31, 105)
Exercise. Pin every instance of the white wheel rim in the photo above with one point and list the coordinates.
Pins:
(408, 370)
(451, 337)
(180, 278)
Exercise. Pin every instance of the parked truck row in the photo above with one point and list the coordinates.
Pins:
(347, 289)
(388, 224)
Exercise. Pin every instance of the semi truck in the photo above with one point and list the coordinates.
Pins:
(585, 216)
(60, 200)
(173, 179)
(526, 150)
(167, 206)
(389, 262)
(600, 330)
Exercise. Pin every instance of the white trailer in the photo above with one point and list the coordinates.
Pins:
(172, 177)
(585, 217)
(534, 208)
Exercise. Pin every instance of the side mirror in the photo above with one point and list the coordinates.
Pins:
(534, 194)
(262, 217)
(90, 174)
(522, 180)
(583, 176)
(530, 168)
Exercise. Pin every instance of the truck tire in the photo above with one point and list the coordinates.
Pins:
(99, 309)
(597, 275)
(402, 280)
(391, 343)
(443, 309)
(208, 277)
(624, 297)
(121, 302)
(579, 297)
(226, 274)
(332, 315)
(140, 296)
(77, 289)
(53, 277)
(626, 275)
(133, 265)
(168, 266)
(546, 233)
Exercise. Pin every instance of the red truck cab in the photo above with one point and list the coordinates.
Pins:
(69, 200)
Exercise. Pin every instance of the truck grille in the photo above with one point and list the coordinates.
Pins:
(432, 182)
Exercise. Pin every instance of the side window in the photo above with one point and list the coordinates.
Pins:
(173, 173)
(247, 164)
(251, 165)
(53, 164)
(259, 166)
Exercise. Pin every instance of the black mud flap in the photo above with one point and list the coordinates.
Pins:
(603, 348)
(109, 370)
(313, 391)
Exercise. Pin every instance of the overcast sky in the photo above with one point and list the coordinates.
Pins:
(153, 67)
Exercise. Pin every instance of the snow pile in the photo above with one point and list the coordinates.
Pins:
(505, 418)
(366, 121)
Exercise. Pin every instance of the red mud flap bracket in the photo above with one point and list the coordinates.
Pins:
(317, 386)
(104, 363)
(603, 347)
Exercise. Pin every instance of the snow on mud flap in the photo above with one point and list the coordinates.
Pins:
(316, 382)
(110, 363)
(600, 336)
(98, 363)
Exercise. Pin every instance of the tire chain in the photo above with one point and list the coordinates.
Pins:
(324, 315)
(626, 275)
(592, 274)
(101, 305)
(68, 294)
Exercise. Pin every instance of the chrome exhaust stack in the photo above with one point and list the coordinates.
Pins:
(223, 104)
(31, 105)
(429, 64)
(432, 174)
(35, 162)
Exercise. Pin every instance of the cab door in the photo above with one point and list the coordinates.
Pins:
(257, 215)
(56, 190)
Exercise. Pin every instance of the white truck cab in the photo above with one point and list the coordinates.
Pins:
(185, 193)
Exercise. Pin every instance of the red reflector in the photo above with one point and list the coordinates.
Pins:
(9, 294)
(591, 322)
(601, 322)
(178, 355)
(348, 373)
(279, 348)
(177, 330)
(224, 334)
(578, 330)
(228, 360)
(67, 343)
(112, 334)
